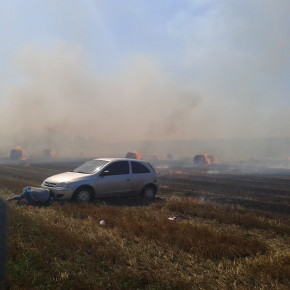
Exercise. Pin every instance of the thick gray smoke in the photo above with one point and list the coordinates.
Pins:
(58, 101)
(207, 70)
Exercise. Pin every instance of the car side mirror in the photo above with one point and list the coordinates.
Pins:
(105, 173)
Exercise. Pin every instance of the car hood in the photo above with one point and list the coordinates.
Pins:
(67, 177)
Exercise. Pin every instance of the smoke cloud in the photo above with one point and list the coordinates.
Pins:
(208, 70)
(57, 98)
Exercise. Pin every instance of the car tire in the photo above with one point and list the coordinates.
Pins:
(83, 194)
(148, 192)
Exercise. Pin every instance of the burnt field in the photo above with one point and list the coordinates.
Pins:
(269, 192)
(231, 230)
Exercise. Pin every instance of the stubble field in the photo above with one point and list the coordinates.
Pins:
(229, 231)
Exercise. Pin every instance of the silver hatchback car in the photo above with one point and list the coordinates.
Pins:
(105, 177)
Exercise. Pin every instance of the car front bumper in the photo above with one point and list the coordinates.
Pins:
(61, 193)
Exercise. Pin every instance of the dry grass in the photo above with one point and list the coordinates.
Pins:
(246, 218)
(64, 247)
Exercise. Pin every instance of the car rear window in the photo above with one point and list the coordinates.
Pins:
(139, 168)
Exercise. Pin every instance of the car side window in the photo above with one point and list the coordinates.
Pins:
(118, 168)
(139, 168)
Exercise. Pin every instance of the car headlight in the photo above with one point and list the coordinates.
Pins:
(62, 185)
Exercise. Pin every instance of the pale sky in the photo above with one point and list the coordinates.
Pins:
(143, 69)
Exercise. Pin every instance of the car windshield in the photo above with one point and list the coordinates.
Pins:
(90, 166)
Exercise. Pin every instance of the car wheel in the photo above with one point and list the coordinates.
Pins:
(149, 192)
(83, 194)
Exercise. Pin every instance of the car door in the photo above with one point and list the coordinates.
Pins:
(115, 179)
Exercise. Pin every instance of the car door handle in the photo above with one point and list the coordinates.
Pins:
(128, 179)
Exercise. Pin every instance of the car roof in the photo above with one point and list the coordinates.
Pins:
(118, 159)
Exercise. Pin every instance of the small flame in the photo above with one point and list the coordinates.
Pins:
(134, 155)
